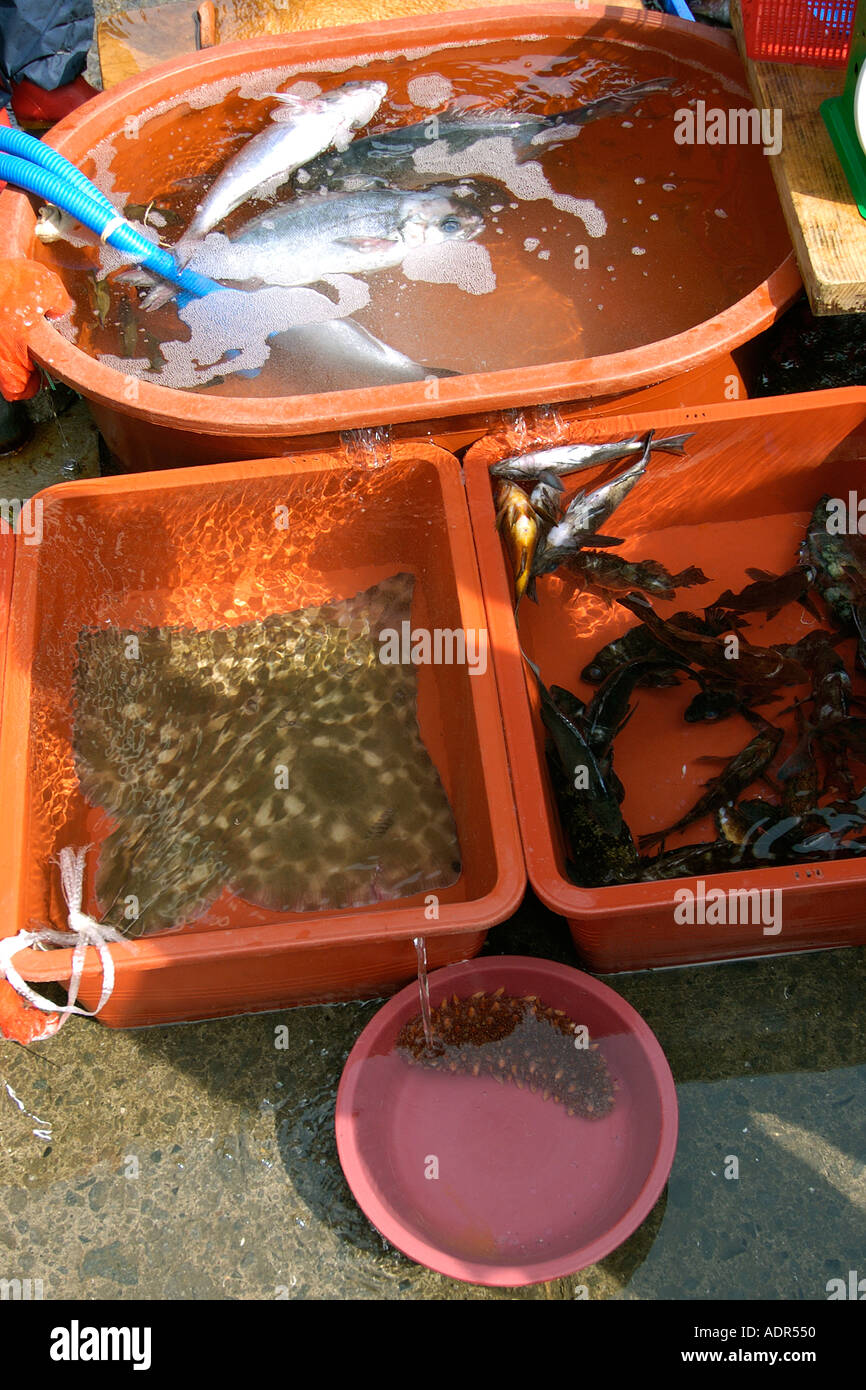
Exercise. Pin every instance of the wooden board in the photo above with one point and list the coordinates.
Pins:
(135, 39)
(828, 233)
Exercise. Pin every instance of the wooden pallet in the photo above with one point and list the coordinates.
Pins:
(828, 233)
(135, 39)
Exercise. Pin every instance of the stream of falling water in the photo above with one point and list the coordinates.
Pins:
(424, 989)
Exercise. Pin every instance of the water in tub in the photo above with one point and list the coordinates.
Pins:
(509, 204)
(244, 726)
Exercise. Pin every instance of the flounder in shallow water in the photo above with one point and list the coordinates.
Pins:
(280, 759)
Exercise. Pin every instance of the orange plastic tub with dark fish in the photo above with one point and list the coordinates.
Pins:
(694, 263)
(199, 548)
(741, 496)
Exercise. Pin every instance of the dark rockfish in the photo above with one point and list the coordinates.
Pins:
(712, 703)
(710, 857)
(389, 154)
(610, 575)
(836, 565)
(574, 753)
(755, 666)
(640, 642)
(609, 710)
(799, 774)
(742, 770)
(769, 593)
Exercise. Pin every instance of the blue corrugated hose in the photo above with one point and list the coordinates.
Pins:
(35, 167)
(679, 8)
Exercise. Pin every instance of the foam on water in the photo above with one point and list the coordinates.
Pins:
(497, 159)
(229, 329)
(465, 264)
(429, 90)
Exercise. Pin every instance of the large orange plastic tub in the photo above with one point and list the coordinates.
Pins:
(199, 547)
(742, 496)
(148, 426)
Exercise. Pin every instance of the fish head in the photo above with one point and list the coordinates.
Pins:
(439, 215)
(360, 101)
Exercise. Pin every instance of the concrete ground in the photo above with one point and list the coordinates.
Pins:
(199, 1161)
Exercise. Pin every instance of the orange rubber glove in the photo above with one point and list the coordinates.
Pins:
(27, 289)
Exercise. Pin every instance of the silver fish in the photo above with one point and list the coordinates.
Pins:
(349, 233)
(562, 459)
(338, 355)
(585, 514)
(313, 126)
(389, 154)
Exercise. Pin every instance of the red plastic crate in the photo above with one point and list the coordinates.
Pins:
(817, 32)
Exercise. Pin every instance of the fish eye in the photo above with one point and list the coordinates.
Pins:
(450, 224)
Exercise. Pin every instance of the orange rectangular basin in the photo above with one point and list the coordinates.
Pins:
(742, 495)
(198, 547)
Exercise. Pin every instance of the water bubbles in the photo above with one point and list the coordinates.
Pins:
(544, 255)
(720, 212)
(531, 243)
(669, 187)
(654, 217)
(638, 250)
(639, 179)
(429, 90)
(462, 263)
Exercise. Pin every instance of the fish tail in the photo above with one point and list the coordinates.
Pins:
(674, 445)
(613, 105)
(647, 842)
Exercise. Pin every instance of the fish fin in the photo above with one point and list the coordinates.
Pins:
(687, 578)
(606, 541)
(757, 574)
(367, 243)
(288, 98)
(551, 480)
